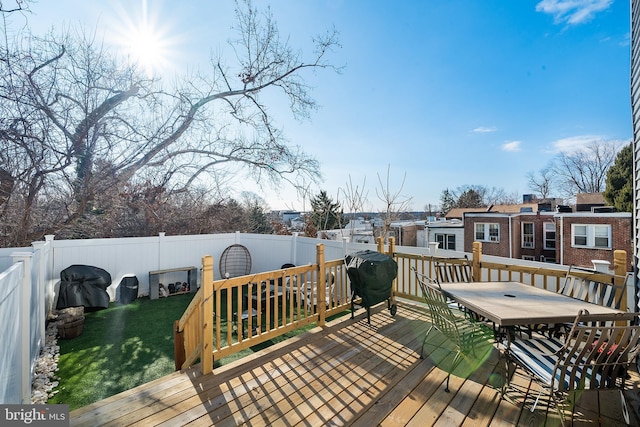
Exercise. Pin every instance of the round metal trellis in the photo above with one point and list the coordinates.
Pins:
(235, 261)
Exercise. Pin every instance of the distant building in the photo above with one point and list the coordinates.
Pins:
(524, 235)
(568, 238)
(458, 213)
(357, 231)
(588, 202)
(448, 234)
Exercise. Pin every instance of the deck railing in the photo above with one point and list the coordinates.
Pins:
(230, 315)
(551, 278)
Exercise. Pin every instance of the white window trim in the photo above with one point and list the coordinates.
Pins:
(544, 230)
(528, 245)
(591, 237)
(445, 240)
(487, 237)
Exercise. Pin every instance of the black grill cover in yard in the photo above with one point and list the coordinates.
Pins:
(83, 285)
(371, 274)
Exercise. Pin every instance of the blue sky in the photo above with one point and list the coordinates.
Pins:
(448, 92)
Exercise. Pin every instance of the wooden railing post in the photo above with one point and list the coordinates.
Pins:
(477, 259)
(381, 244)
(206, 359)
(392, 246)
(179, 356)
(620, 275)
(321, 286)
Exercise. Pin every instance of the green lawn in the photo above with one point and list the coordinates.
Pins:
(122, 347)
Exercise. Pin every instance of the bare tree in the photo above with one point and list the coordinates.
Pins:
(471, 196)
(543, 181)
(585, 170)
(14, 6)
(79, 124)
(394, 201)
(355, 198)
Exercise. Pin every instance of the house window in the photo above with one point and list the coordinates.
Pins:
(549, 235)
(528, 258)
(527, 235)
(591, 235)
(446, 241)
(487, 232)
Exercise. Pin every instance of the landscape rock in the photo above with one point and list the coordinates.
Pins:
(44, 375)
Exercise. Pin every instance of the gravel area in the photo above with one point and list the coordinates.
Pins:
(44, 375)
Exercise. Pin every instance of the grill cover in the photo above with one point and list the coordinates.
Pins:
(83, 285)
(371, 274)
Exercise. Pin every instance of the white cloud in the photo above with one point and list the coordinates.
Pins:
(511, 146)
(485, 129)
(574, 144)
(573, 12)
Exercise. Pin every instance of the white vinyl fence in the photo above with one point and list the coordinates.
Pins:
(23, 316)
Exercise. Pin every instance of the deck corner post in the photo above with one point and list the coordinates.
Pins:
(620, 274)
(477, 259)
(620, 265)
(321, 288)
(206, 358)
(179, 355)
(380, 242)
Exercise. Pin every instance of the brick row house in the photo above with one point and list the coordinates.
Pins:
(568, 238)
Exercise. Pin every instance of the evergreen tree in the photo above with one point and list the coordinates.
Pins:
(327, 214)
(258, 221)
(447, 201)
(619, 190)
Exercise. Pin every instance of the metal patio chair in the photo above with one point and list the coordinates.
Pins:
(457, 270)
(453, 270)
(594, 355)
(606, 294)
(463, 336)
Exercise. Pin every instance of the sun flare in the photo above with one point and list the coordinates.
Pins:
(147, 49)
(145, 41)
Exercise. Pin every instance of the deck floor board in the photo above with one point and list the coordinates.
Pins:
(347, 373)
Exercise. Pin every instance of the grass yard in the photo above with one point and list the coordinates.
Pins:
(120, 347)
(124, 346)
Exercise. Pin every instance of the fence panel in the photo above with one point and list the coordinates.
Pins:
(12, 363)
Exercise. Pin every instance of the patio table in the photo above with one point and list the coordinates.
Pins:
(509, 304)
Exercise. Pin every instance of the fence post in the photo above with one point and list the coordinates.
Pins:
(321, 288)
(161, 237)
(345, 246)
(381, 244)
(25, 324)
(477, 259)
(207, 315)
(294, 248)
(41, 290)
(620, 275)
(50, 289)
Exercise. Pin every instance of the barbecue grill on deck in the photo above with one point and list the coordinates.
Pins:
(371, 275)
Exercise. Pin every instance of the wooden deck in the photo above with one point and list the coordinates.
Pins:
(347, 373)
